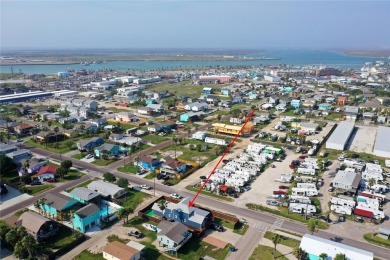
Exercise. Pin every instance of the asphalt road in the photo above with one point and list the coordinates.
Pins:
(205, 201)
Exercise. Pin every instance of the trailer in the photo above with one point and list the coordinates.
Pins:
(343, 202)
(341, 209)
(302, 208)
(363, 213)
(370, 203)
(306, 171)
(304, 185)
(370, 194)
(304, 192)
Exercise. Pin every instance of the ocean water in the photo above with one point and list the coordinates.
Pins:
(290, 57)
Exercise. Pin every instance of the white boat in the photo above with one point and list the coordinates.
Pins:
(150, 227)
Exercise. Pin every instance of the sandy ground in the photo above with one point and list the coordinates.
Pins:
(364, 139)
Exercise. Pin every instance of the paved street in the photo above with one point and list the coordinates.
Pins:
(246, 244)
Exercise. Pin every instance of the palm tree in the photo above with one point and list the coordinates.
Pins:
(121, 214)
(371, 182)
(312, 225)
(56, 129)
(161, 205)
(37, 205)
(71, 217)
(29, 243)
(323, 256)
(276, 239)
(49, 124)
(299, 253)
(340, 256)
(42, 203)
(128, 211)
(175, 140)
(104, 154)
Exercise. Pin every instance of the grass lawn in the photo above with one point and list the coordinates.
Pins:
(133, 198)
(113, 238)
(285, 240)
(83, 184)
(102, 162)
(155, 139)
(374, 239)
(317, 203)
(62, 238)
(130, 167)
(86, 255)
(62, 148)
(208, 193)
(150, 176)
(266, 253)
(333, 116)
(195, 248)
(137, 223)
(34, 190)
(80, 156)
(72, 175)
(281, 211)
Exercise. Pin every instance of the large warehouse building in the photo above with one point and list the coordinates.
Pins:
(382, 142)
(340, 136)
(23, 97)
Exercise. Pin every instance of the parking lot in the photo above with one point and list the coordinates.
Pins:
(363, 139)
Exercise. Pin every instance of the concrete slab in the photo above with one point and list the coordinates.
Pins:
(364, 139)
(227, 236)
(214, 241)
(13, 197)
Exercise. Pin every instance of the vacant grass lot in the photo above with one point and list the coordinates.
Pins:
(285, 240)
(155, 139)
(374, 239)
(102, 162)
(195, 249)
(133, 198)
(266, 253)
(62, 238)
(62, 148)
(128, 168)
(86, 255)
(35, 190)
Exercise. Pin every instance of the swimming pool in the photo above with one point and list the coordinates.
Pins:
(106, 211)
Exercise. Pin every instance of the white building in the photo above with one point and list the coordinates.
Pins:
(340, 136)
(382, 141)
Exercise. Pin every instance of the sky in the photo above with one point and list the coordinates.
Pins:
(240, 24)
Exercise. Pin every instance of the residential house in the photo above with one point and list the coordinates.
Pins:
(324, 106)
(156, 128)
(193, 217)
(261, 119)
(86, 217)
(330, 100)
(171, 166)
(199, 135)
(172, 235)
(107, 189)
(112, 150)
(233, 129)
(145, 111)
(49, 136)
(89, 127)
(191, 116)
(67, 120)
(55, 204)
(38, 226)
(169, 126)
(237, 99)
(7, 148)
(150, 101)
(23, 129)
(47, 172)
(207, 91)
(309, 102)
(118, 251)
(18, 155)
(126, 117)
(147, 162)
(211, 99)
(341, 100)
(197, 106)
(156, 108)
(226, 92)
(347, 180)
(280, 107)
(274, 100)
(86, 145)
(235, 120)
(99, 122)
(71, 133)
(116, 137)
(295, 103)
(351, 112)
(34, 163)
(85, 195)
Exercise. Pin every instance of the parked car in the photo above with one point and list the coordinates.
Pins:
(175, 196)
(145, 187)
(217, 227)
(203, 177)
(141, 172)
(283, 187)
(272, 203)
(89, 156)
(292, 166)
(233, 195)
(35, 182)
(135, 233)
(331, 189)
(303, 157)
(298, 149)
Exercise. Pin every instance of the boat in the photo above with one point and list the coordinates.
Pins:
(150, 227)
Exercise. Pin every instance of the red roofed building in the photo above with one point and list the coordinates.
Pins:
(23, 129)
(47, 172)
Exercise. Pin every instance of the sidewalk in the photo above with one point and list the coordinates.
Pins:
(284, 250)
(288, 235)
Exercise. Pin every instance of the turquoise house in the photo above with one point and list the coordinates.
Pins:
(112, 150)
(54, 204)
(150, 101)
(86, 217)
(226, 92)
(85, 195)
(295, 103)
(324, 106)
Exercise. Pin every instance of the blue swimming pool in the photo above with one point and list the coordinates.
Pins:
(105, 211)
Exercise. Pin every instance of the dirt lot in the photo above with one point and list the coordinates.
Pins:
(364, 139)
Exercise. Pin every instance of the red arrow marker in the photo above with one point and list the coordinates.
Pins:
(192, 202)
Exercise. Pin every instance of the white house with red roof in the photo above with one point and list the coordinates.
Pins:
(47, 172)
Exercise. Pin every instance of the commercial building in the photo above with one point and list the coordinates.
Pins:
(315, 246)
(382, 147)
(64, 93)
(23, 97)
(340, 136)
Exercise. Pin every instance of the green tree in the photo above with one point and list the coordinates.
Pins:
(62, 172)
(11, 237)
(276, 239)
(49, 124)
(109, 177)
(122, 182)
(7, 165)
(175, 140)
(28, 242)
(161, 205)
(371, 182)
(312, 225)
(299, 253)
(323, 256)
(219, 117)
(340, 256)
(122, 214)
(67, 164)
(69, 144)
(3, 230)
(128, 211)
(56, 129)
(104, 154)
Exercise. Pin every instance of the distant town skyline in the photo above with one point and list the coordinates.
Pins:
(85, 24)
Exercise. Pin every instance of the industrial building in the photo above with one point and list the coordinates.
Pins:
(382, 147)
(64, 93)
(315, 246)
(340, 136)
(23, 97)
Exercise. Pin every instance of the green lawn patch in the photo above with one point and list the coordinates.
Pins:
(266, 253)
(151, 176)
(317, 203)
(35, 190)
(83, 184)
(80, 156)
(281, 211)
(137, 223)
(133, 198)
(62, 148)
(113, 238)
(333, 116)
(374, 239)
(20, 212)
(130, 167)
(63, 237)
(195, 248)
(102, 162)
(289, 232)
(72, 175)
(10, 176)
(208, 193)
(155, 139)
(285, 240)
(86, 255)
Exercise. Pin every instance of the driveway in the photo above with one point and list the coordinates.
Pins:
(228, 235)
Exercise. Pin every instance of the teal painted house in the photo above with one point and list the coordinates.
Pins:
(295, 103)
(226, 92)
(324, 106)
(54, 204)
(150, 101)
(85, 195)
(112, 150)
(86, 217)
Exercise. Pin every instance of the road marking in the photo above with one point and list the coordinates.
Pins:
(277, 224)
(259, 227)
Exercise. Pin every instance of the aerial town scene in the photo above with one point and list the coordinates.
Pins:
(194, 130)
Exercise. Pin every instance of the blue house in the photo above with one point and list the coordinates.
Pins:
(296, 103)
(191, 116)
(150, 101)
(194, 218)
(86, 217)
(55, 204)
(147, 162)
(85, 145)
(324, 106)
(207, 91)
(112, 150)
(171, 166)
(226, 92)
(169, 126)
(238, 100)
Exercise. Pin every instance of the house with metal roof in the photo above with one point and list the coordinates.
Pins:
(116, 250)
(86, 217)
(112, 150)
(347, 180)
(314, 246)
(106, 189)
(85, 195)
(340, 136)
(38, 226)
(382, 141)
(172, 235)
(56, 203)
(7, 148)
